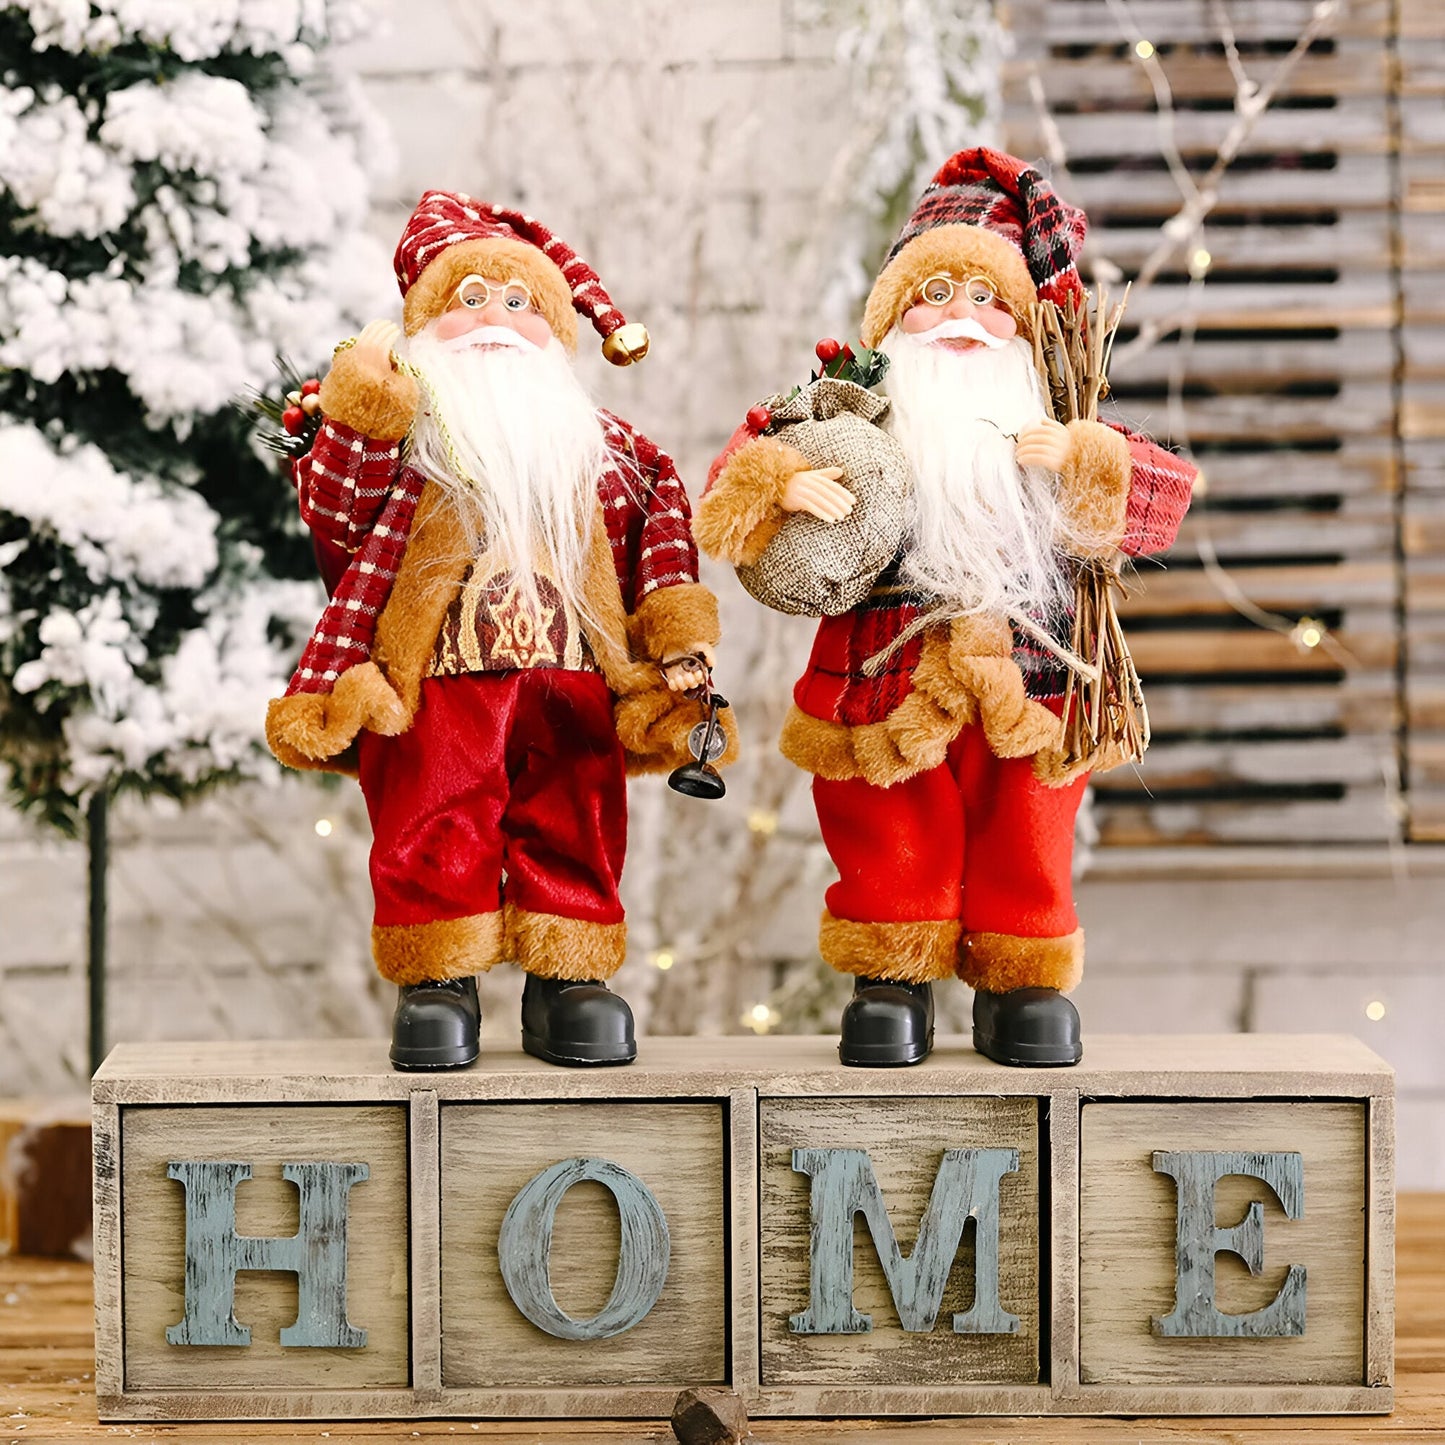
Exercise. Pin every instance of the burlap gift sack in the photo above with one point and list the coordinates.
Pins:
(814, 568)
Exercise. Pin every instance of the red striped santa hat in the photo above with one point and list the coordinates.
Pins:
(450, 236)
(984, 212)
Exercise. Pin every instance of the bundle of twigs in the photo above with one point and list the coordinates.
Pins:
(1105, 720)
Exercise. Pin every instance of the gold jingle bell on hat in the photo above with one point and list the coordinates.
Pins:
(450, 234)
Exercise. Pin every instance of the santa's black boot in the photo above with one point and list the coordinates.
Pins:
(887, 1024)
(567, 1021)
(1027, 1027)
(436, 1025)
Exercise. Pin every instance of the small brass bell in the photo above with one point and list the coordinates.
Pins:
(627, 344)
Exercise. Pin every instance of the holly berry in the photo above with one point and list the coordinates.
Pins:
(293, 419)
(828, 350)
(847, 353)
(759, 420)
(310, 388)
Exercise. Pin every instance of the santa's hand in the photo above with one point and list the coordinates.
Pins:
(1045, 444)
(688, 669)
(818, 493)
(374, 343)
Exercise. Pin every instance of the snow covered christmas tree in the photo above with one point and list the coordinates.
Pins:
(182, 190)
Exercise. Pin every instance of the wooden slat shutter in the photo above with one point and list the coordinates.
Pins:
(1315, 412)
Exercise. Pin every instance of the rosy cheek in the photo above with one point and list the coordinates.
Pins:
(533, 326)
(451, 324)
(997, 322)
(919, 318)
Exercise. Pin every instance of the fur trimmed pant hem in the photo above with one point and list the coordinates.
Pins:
(1002, 962)
(550, 946)
(908, 952)
(410, 953)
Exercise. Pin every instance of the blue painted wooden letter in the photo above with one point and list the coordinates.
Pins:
(316, 1253)
(524, 1250)
(1198, 1240)
(844, 1184)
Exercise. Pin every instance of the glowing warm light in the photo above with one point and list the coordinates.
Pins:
(1143, 50)
(1374, 1010)
(663, 959)
(1308, 633)
(1200, 261)
(323, 827)
(760, 1018)
(762, 821)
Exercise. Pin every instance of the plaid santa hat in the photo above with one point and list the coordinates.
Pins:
(984, 213)
(450, 236)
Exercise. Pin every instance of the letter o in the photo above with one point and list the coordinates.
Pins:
(524, 1250)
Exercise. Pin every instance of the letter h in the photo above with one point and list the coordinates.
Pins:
(316, 1254)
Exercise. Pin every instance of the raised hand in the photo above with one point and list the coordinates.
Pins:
(1044, 444)
(819, 493)
(374, 343)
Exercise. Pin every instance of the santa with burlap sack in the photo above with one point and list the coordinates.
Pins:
(930, 712)
(518, 625)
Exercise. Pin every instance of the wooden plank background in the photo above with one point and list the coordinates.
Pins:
(1313, 399)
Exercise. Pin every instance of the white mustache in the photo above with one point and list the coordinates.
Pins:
(488, 336)
(964, 326)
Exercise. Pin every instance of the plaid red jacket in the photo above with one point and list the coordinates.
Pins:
(357, 496)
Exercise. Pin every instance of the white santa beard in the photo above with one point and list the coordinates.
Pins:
(983, 532)
(516, 443)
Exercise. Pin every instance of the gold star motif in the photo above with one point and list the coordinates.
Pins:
(523, 638)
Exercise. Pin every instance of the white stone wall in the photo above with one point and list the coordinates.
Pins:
(688, 148)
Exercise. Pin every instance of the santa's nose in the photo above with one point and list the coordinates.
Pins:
(495, 313)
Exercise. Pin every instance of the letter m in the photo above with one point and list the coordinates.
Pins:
(844, 1185)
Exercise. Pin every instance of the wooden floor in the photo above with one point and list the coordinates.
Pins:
(46, 1392)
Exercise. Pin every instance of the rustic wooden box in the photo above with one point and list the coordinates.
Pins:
(957, 1238)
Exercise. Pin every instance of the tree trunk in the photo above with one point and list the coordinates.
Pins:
(97, 839)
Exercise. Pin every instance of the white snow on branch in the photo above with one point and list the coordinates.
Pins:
(120, 527)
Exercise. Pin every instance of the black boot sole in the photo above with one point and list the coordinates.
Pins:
(415, 1060)
(581, 1056)
(1026, 1056)
(882, 1056)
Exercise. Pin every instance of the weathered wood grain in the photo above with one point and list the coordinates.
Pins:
(1127, 1243)
(905, 1139)
(489, 1152)
(153, 1231)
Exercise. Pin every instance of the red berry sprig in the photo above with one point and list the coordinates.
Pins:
(759, 419)
(293, 419)
(310, 388)
(828, 350)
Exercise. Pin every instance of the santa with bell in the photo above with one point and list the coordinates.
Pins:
(930, 710)
(515, 624)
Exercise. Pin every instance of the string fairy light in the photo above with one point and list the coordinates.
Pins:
(763, 821)
(760, 1018)
(324, 827)
(662, 959)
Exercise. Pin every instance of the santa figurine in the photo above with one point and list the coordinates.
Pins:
(930, 710)
(515, 624)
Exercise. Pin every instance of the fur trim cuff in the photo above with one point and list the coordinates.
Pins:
(550, 946)
(966, 674)
(310, 728)
(431, 952)
(377, 404)
(909, 952)
(653, 725)
(1002, 962)
(498, 259)
(1094, 486)
(671, 620)
(959, 249)
(740, 514)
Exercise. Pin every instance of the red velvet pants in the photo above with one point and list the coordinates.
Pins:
(976, 846)
(515, 775)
